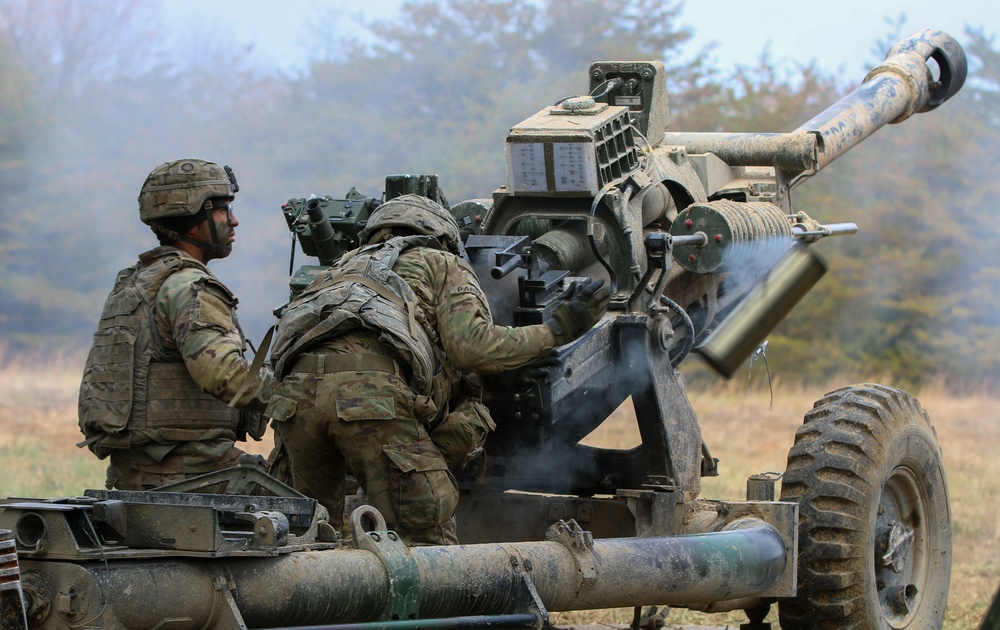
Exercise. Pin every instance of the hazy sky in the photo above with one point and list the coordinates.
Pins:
(838, 35)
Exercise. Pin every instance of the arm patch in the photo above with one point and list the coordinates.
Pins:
(214, 304)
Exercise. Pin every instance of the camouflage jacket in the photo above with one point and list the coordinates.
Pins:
(454, 333)
(167, 358)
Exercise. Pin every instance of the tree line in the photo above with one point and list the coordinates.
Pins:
(90, 102)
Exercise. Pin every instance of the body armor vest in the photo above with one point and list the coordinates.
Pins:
(130, 381)
(362, 292)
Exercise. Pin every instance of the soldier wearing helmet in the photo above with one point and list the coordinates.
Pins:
(183, 195)
(374, 359)
(166, 390)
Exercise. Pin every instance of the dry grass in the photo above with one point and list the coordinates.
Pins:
(38, 433)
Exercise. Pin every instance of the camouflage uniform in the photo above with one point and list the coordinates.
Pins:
(153, 397)
(168, 352)
(362, 399)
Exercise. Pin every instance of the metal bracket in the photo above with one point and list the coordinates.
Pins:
(270, 529)
(580, 543)
(761, 487)
(528, 601)
(226, 586)
(247, 477)
(404, 578)
(658, 247)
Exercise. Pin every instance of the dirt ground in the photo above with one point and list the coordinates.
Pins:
(744, 430)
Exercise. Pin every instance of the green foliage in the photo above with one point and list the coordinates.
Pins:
(99, 111)
(756, 98)
(445, 81)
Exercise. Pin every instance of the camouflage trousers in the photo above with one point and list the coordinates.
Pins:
(136, 470)
(365, 423)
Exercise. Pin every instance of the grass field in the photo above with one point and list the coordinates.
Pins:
(38, 433)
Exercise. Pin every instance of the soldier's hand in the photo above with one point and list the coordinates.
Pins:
(537, 371)
(583, 304)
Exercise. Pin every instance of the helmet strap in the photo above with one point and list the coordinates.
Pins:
(381, 235)
(217, 249)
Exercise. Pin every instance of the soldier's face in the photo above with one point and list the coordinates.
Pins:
(225, 222)
(218, 229)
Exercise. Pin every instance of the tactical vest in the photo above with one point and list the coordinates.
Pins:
(362, 292)
(130, 381)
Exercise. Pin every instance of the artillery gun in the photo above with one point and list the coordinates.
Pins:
(698, 238)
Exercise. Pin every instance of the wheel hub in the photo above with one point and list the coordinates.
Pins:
(894, 544)
(900, 547)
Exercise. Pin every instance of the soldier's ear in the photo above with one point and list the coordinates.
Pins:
(194, 229)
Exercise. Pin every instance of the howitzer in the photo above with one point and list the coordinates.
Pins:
(697, 236)
(587, 181)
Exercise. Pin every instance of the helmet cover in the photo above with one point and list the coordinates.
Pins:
(417, 213)
(180, 188)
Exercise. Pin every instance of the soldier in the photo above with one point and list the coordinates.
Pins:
(167, 356)
(374, 360)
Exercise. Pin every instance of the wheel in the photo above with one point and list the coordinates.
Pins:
(874, 518)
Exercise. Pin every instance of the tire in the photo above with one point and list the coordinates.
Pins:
(874, 517)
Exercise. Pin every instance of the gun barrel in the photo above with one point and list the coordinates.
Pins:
(899, 87)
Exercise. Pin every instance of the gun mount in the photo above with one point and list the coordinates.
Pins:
(698, 238)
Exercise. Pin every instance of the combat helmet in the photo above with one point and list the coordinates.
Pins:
(416, 213)
(180, 188)
(178, 195)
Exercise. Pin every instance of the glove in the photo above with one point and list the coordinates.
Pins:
(583, 304)
(538, 370)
